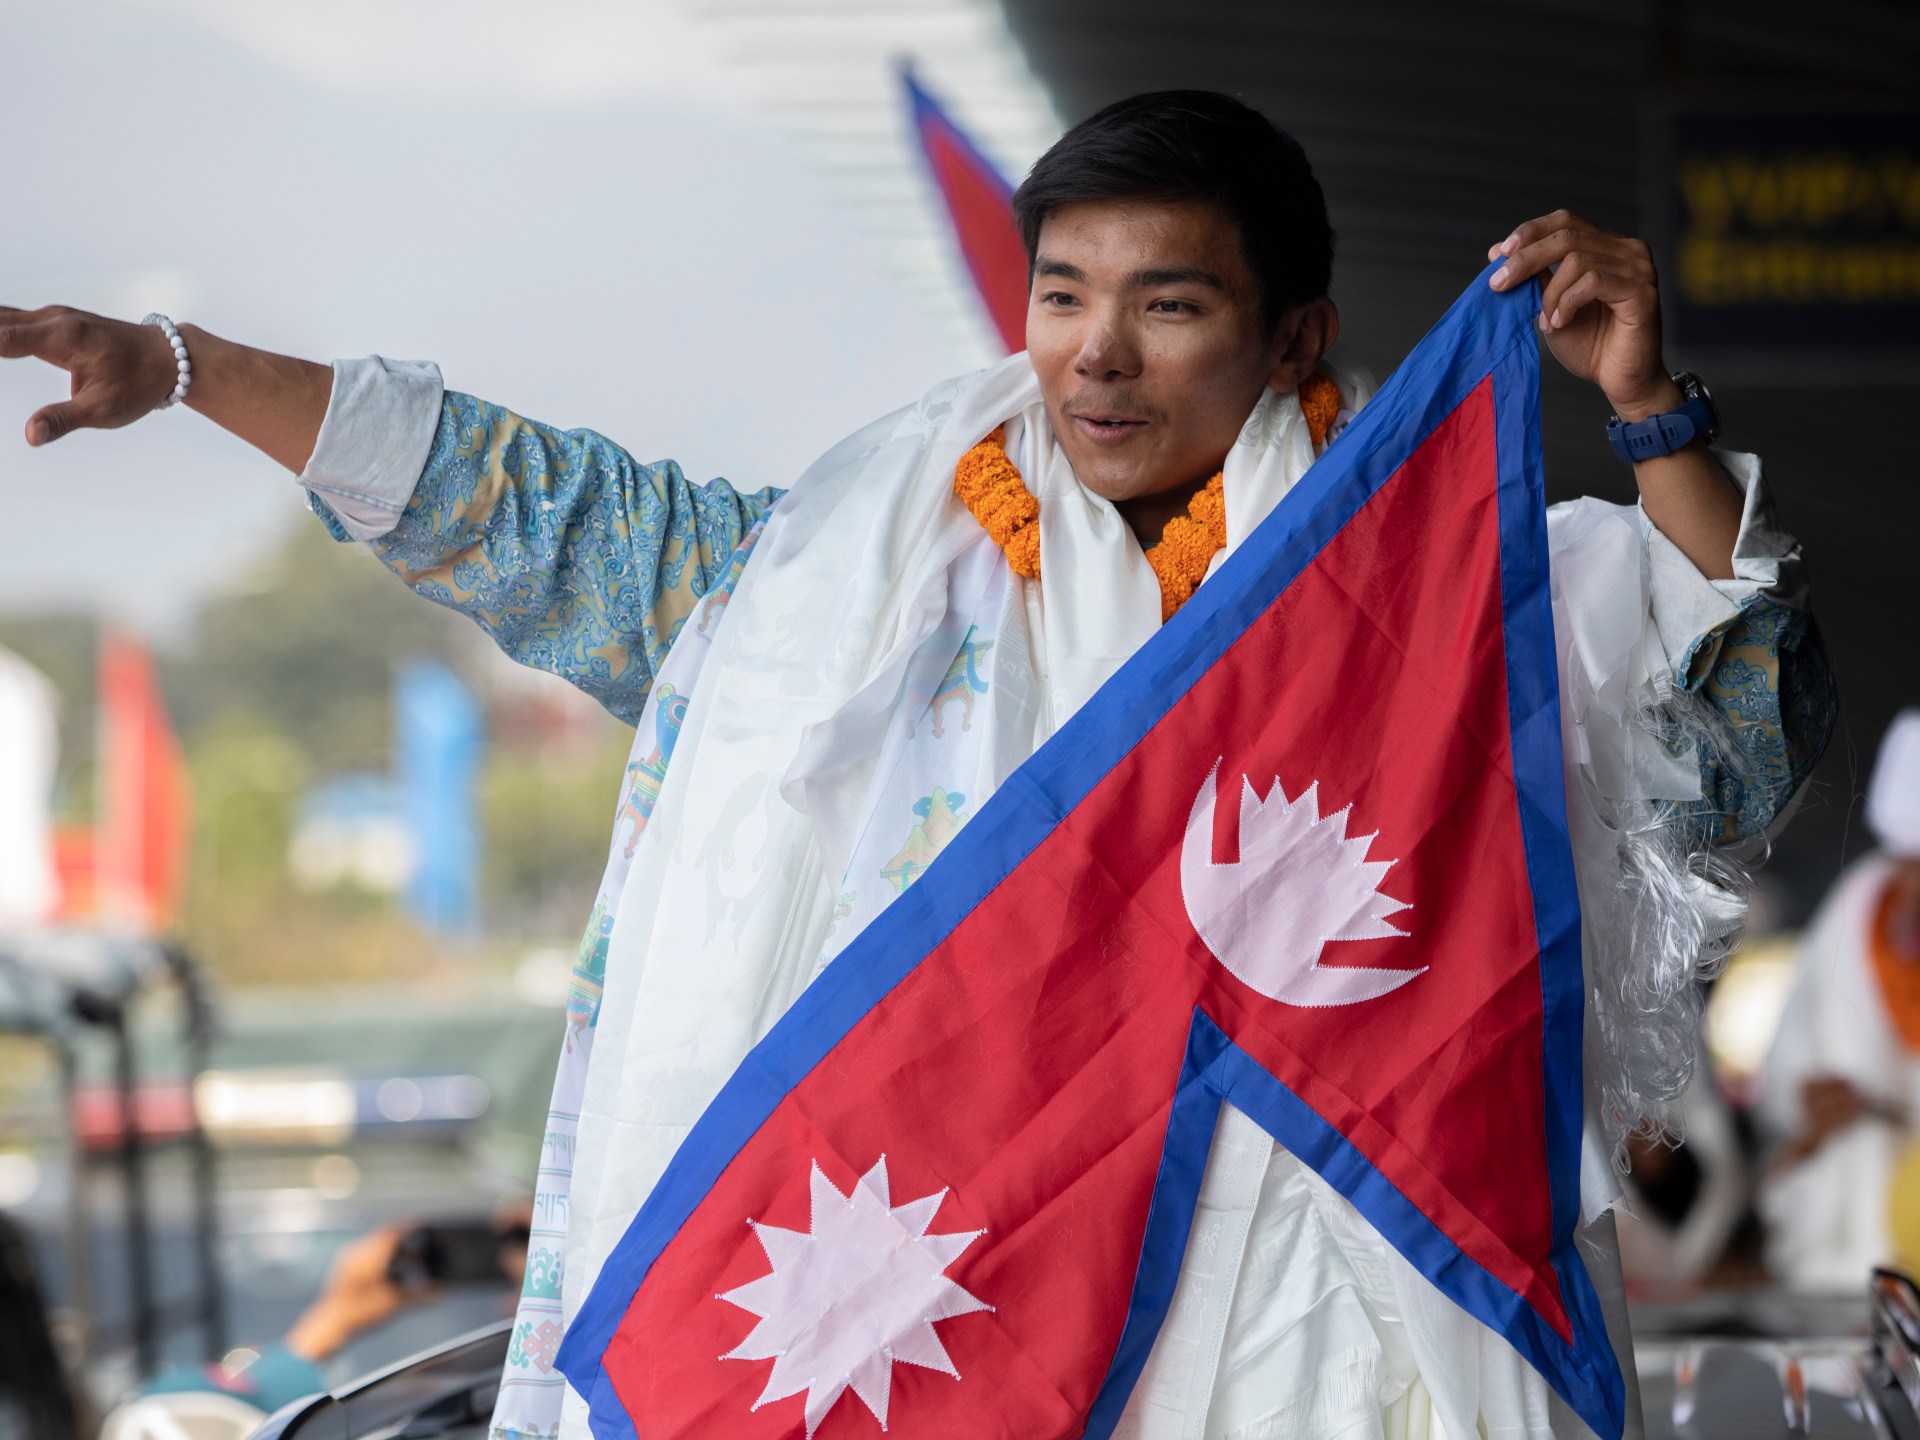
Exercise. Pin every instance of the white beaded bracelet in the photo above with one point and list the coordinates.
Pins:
(181, 362)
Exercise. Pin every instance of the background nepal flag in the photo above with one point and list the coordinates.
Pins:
(950, 1191)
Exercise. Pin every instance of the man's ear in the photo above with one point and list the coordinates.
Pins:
(1305, 332)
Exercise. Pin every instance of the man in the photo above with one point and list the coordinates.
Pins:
(944, 589)
(1843, 1076)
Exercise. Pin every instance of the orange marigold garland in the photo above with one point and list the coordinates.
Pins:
(989, 484)
(1320, 403)
(1187, 546)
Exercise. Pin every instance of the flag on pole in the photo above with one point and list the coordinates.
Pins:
(979, 204)
(140, 840)
(1305, 853)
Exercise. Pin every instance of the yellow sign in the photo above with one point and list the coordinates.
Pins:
(1795, 233)
(1816, 227)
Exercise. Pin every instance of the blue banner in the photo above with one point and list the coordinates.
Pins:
(439, 733)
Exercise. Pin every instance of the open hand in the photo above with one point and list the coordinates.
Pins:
(1599, 309)
(1832, 1104)
(360, 1293)
(119, 371)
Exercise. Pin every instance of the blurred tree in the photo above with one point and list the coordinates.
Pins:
(546, 817)
(308, 645)
(286, 679)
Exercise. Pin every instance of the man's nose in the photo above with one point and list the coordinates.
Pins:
(1107, 351)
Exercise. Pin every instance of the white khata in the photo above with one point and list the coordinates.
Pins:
(829, 682)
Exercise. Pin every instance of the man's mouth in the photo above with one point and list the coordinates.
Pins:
(1108, 429)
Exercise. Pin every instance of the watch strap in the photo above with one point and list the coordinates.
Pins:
(1660, 434)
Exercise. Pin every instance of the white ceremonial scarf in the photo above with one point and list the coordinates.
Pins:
(858, 595)
(728, 899)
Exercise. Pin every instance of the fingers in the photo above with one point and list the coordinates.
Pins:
(91, 409)
(1579, 283)
(37, 339)
(48, 330)
(1541, 228)
(1621, 254)
(26, 339)
(1542, 244)
(1538, 228)
(10, 315)
(119, 371)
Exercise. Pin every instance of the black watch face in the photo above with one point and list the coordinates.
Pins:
(1693, 387)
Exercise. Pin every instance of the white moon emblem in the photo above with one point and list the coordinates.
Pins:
(1298, 885)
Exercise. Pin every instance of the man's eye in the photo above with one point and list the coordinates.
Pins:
(1056, 297)
(1171, 307)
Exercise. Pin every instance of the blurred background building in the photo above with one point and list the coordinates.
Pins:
(1769, 152)
(713, 229)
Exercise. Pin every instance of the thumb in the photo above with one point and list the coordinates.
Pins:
(84, 411)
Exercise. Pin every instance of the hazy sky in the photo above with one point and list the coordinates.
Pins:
(566, 205)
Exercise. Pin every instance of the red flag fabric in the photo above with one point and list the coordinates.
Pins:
(140, 843)
(979, 205)
(951, 1190)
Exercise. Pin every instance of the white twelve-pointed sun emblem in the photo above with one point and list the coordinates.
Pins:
(1299, 884)
(846, 1303)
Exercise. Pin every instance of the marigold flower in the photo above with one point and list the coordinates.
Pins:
(1320, 403)
(988, 483)
(1187, 546)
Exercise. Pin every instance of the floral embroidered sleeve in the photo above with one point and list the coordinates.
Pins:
(576, 558)
(1767, 678)
(1748, 652)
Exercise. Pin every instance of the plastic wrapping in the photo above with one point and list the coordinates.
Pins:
(1664, 924)
(1661, 907)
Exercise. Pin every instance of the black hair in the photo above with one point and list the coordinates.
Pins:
(1179, 145)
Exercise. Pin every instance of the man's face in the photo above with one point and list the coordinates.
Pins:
(1144, 327)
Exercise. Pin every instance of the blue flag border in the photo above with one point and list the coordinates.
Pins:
(1483, 335)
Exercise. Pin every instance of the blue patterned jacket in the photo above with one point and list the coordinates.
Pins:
(581, 561)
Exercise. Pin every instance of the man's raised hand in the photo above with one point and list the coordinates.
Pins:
(118, 372)
(1600, 316)
(1599, 308)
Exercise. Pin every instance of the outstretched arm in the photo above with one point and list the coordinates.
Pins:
(120, 372)
(575, 557)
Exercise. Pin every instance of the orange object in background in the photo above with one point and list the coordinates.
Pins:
(128, 871)
(1898, 971)
(74, 863)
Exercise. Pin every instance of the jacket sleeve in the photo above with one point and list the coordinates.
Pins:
(573, 556)
(1750, 650)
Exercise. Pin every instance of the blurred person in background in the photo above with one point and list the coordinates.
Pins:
(233, 1397)
(1686, 1199)
(1843, 1077)
(371, 1280)
(1181, 258)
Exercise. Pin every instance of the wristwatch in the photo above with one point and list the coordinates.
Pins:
(1696, 419)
